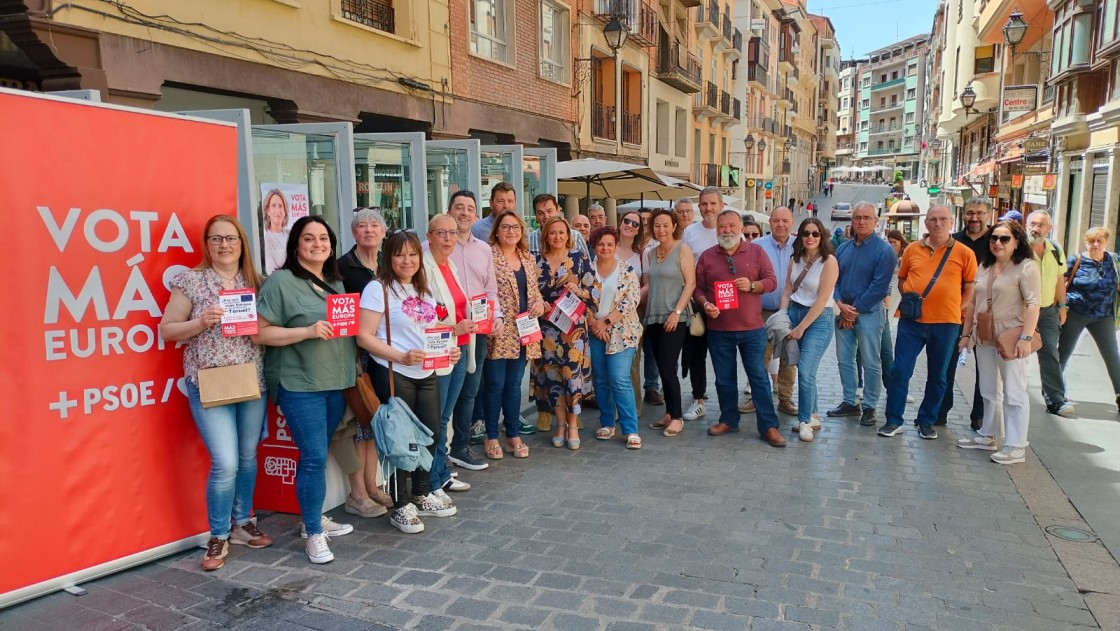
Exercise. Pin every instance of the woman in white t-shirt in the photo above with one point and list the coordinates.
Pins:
(807, 299)
(411, 309)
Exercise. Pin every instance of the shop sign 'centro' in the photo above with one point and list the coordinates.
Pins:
(1020, 98)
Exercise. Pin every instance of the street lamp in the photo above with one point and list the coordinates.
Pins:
(748, 142)
(1014, 30)
(615, 33)
(968, 99)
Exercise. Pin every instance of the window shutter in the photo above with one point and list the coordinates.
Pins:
(1100, 199)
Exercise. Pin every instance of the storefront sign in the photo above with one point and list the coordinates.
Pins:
(1020, 98)
(96, 405)
(993, 190)
(1049, 181)
(758, 24)
(1035, 144)
(1016, 181)
(1034, 168)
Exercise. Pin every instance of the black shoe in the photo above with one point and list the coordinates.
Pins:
(941, 421)
(976, 424)
(653, 397)
(867, 419)
(927, 432)
(466, 459)
(844, 409)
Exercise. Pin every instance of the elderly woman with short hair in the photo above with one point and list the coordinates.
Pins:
(1091, 285)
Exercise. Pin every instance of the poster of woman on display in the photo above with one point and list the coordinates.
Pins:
(281, 206)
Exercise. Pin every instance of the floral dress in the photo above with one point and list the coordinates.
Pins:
(565, 363)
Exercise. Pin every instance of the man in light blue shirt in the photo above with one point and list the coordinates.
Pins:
(779, 248)
(502, 197)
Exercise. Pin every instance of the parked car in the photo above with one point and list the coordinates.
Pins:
(841, 210)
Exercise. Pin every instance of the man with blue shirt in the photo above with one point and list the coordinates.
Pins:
(867, 264)
(778, 246)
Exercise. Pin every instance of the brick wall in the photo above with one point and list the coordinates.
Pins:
(519, 87)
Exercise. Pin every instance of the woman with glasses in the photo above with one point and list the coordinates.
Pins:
(807, 299)
(231, 432)
(564, 365)
(670, 279)
(307, 367)
(1091, 284)
(453, 309)
(358, 267)
(1008, 290)
(518, 293)
(751, 231)
(274, 209)
(632, 240)
(615, 333)
(410, 310)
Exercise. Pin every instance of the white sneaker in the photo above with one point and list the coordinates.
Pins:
(330, 528)
(442, 495)
(805, 433)
(405, 520)
(747, 404)
(458, 486)
(1068, 410)
(695, 411)
(431, 506)
(815, 421)
(317, 549)
(977, 442)
(1010, 455)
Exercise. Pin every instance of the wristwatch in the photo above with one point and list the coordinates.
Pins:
(678, 312)
(1026, 338)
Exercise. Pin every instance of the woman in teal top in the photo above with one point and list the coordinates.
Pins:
(306, 368)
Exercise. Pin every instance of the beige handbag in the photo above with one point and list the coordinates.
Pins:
(224, 385)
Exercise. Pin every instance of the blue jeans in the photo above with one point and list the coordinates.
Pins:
(611, 374)
(751, 346)
(940, 342)
(502, 394)
(469, 408)
(312, 418)
(812, 344)
(886, 348)
(231, 433)
(866, 338)
(450, 386)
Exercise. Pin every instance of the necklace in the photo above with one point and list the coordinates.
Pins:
(661, 252)
(228, 279)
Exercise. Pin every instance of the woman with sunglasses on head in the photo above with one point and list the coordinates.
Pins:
(1008, 289)
(615, 333)
(670, 278)
(565, 364)
(1091, 284)
(632, 239)
(411, 308)
(307, 367)
(516, 274)
(231, 432)
(807, 299)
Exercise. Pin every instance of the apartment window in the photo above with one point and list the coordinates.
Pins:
(908, 141)
(882, 101)
(1072, 23)
(863, 146)
(866, 80)
(894, 75)
(985, 60)
(879, 146)
(894, 100)
(883, 78)
(863, 125)
(844, 103)
(911, 94)
(865, 104)
(681, 140)
(376, 14)
(491, 29)
(912, 69)
(1108, 24)
(909, 117)
(554, 42)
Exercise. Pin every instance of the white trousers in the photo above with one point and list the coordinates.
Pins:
(1003, 385)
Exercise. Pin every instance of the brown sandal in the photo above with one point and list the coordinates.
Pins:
(670, 432)
(518, 449)
(493, 449)
(661, 423)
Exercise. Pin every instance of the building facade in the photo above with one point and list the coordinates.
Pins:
(891, 114)
(847, 138)
(678, 78)
(759, 135)
(827, 100)
(719, 46)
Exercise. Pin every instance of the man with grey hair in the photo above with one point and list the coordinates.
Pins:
(597, 216)
(778, 246)
(1052, 315)
(974, 236)
(683, 208)
(701, 237)
(867, 264)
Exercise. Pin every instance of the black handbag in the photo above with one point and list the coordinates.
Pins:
(910, 306)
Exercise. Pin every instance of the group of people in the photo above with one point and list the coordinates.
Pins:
(624, 312)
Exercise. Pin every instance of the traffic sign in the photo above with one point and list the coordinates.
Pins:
(769, 185)
(933, 190)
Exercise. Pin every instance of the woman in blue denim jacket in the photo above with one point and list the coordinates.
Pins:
(1091, 285)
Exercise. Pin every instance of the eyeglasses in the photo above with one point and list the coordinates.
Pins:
(630, 222)
(810, 234)
(443, 234)
(731, 265)
(751, 235)
(217, 239)
(510, 227)
(1002, 238)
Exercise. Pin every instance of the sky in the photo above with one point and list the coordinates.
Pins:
(866, 25)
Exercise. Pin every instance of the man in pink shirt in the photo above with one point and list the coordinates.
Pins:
(730, 280)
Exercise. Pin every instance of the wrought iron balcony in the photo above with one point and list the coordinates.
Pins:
(602, 121)
(678, 68)
(639, 16)
(631, 128)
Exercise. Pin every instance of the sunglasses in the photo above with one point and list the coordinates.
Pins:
(813, 234)
(730, 265)
(630, 222)
(1002, 238)
(751, 235)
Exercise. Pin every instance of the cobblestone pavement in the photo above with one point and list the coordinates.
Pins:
(851, 531)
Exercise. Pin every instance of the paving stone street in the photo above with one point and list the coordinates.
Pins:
(851, 531)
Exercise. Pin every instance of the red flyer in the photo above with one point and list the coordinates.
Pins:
(528, 328)
(482, 314)
(342, 313)
(727, 295)
(239, 316)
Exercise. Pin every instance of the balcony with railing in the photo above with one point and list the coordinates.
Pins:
(736, 49)
(371, 13)
(882, 151)
(756, 73)
(678, 67)
(897, 105)
(885, 129)
(708, 20)
(736, 109)
(883, 85)
(787, 61)
(709, 174)
(639, 16)
(602, 121)
(706, 102)
(725, 104)
(631, 128)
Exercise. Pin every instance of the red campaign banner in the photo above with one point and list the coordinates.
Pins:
(277, 459)
(104, 207)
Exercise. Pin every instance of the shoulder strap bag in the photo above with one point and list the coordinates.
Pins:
(985, 325)
(801, 276)
(910, 307)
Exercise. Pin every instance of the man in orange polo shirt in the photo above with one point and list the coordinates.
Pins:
(937, 327)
